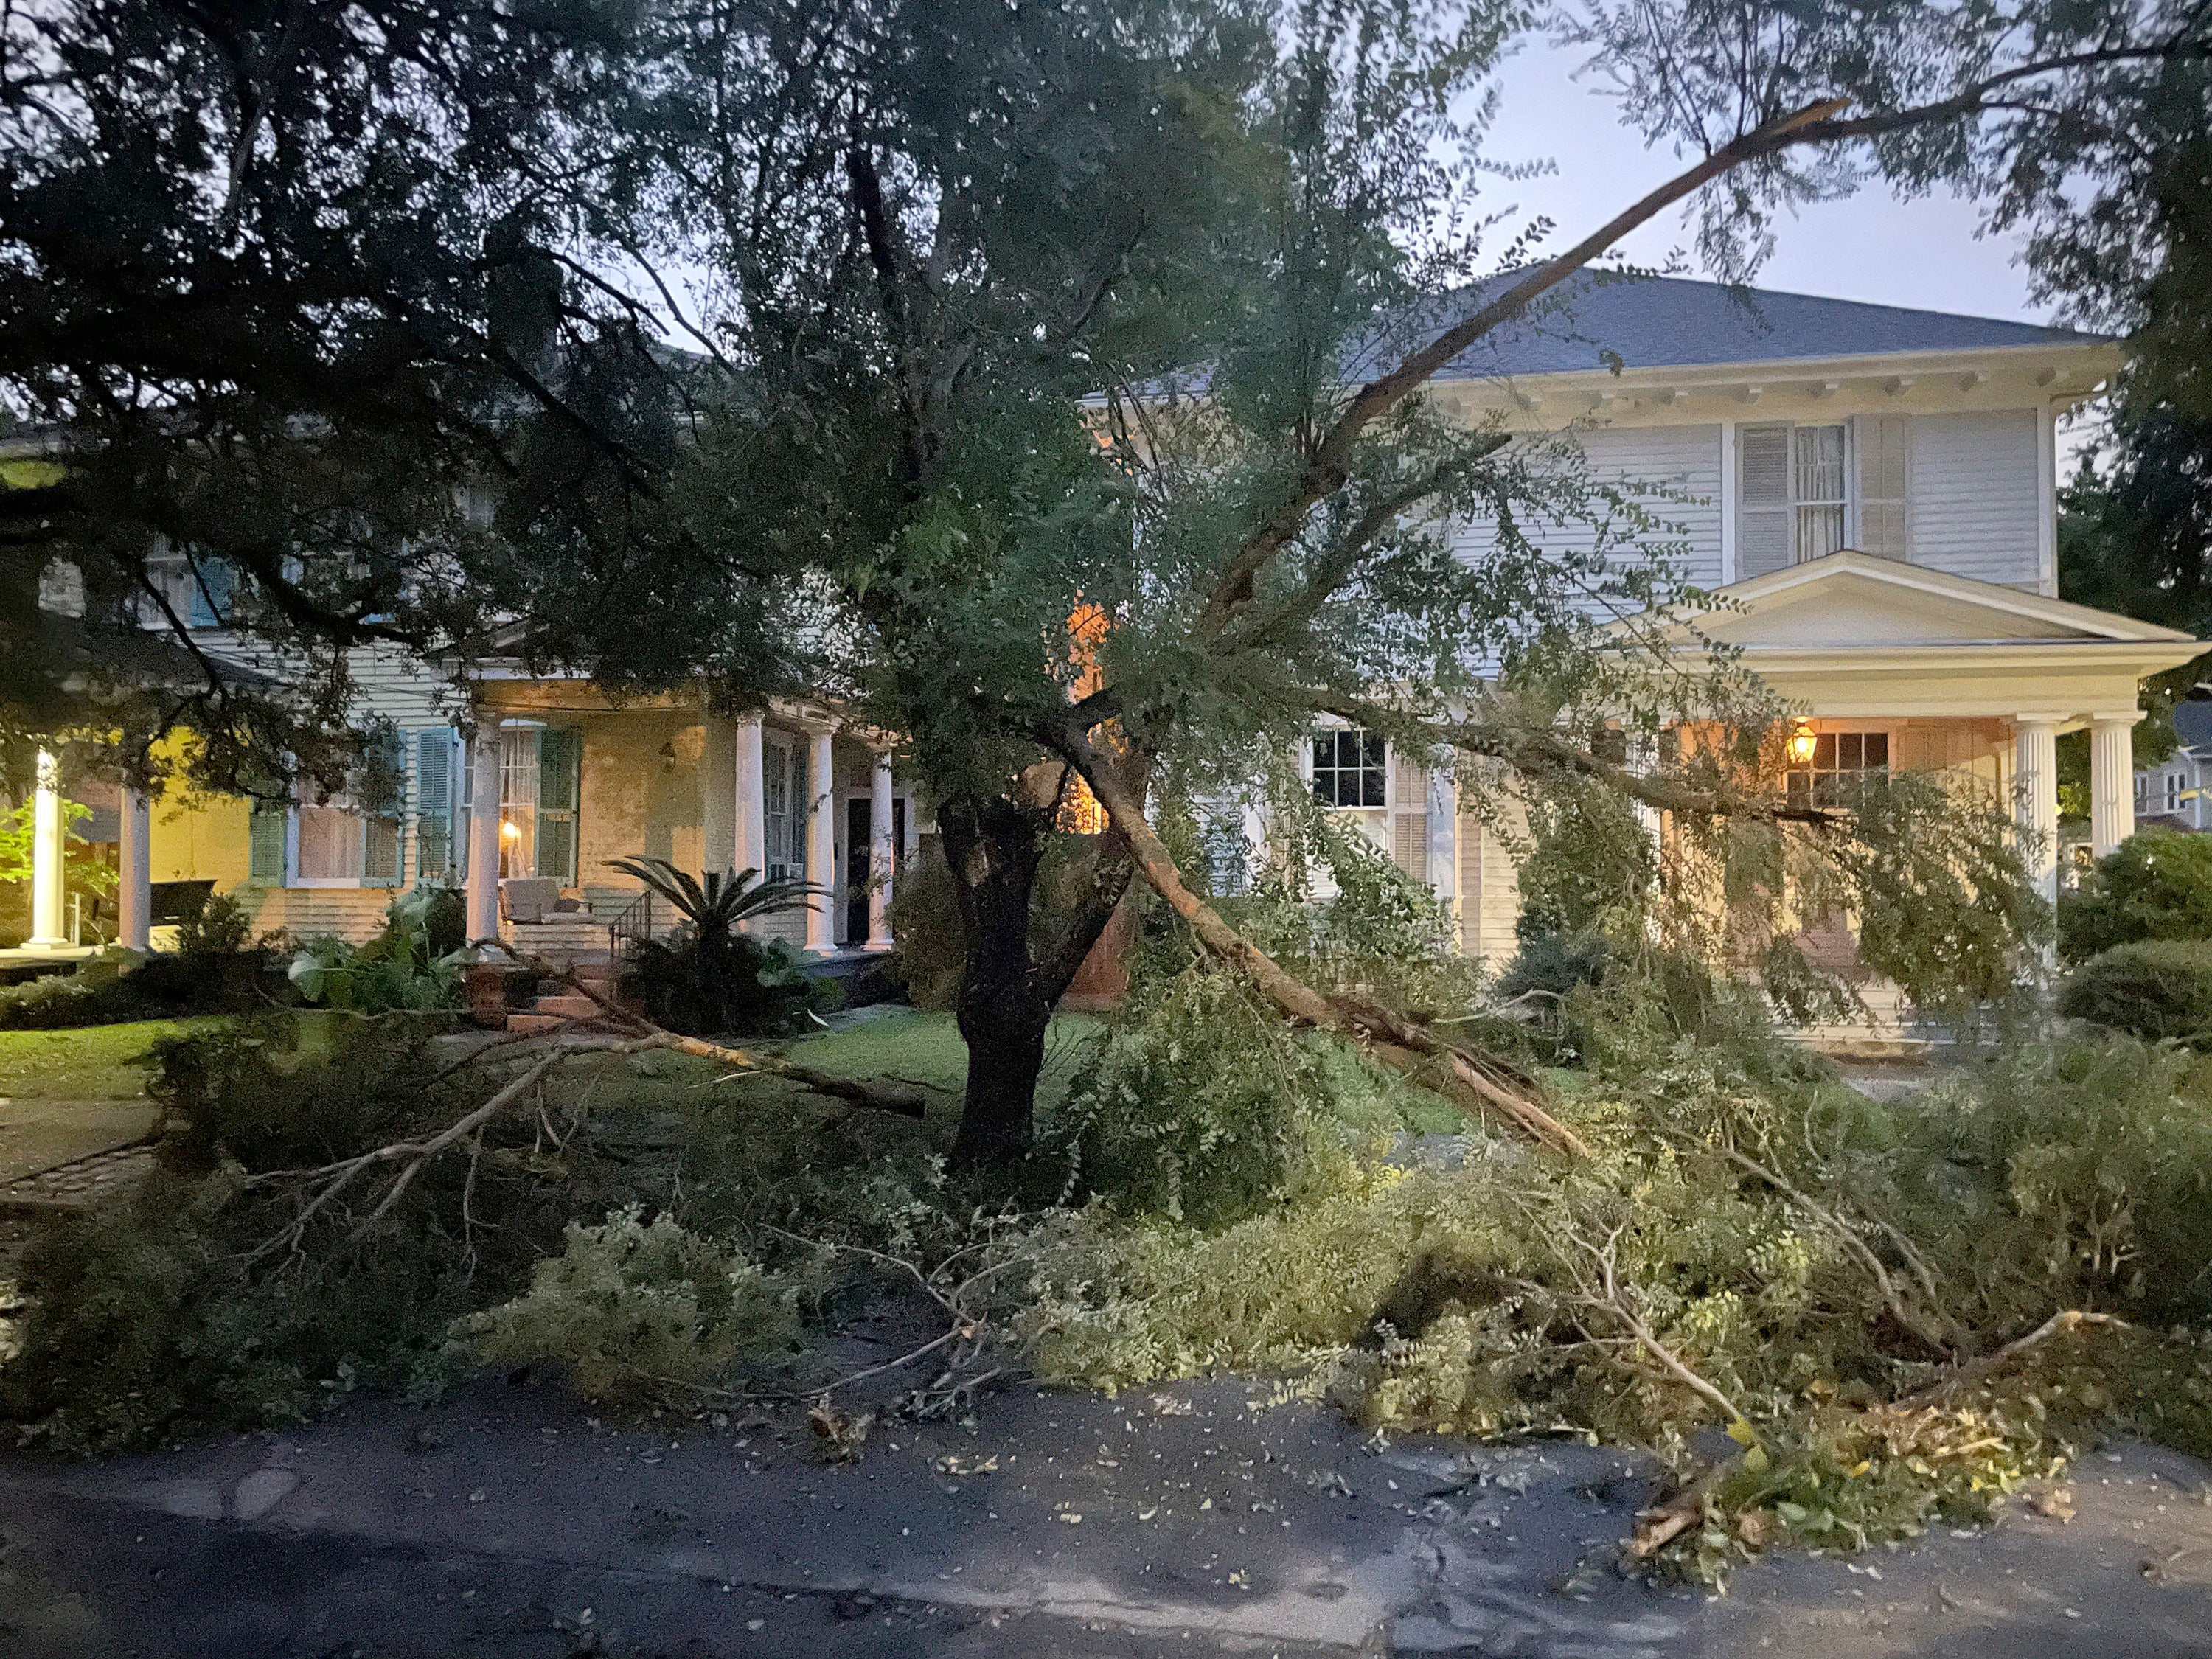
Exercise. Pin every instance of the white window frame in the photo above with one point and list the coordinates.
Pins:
(1388, 765)
(1888, 731)
(1845, 505)
(396, 815)
(781, 759)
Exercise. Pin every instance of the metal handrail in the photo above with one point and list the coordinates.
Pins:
(631, 926)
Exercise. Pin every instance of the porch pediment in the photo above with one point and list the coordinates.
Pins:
(1852, 599)
(1852, 635)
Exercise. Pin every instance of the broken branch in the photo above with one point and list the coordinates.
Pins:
(1478, 1084)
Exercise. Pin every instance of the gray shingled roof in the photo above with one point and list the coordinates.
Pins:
(1665, 322)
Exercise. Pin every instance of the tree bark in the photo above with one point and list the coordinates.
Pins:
(993, 849)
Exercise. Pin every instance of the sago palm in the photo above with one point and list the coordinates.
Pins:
(714, 907)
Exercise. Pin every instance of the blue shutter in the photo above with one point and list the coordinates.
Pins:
(433, 803)
(213, 583)
(560, 757)
(264, 865)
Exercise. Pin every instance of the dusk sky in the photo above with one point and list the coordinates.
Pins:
(1874, 247)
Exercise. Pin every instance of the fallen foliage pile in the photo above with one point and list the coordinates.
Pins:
(1900, 1311)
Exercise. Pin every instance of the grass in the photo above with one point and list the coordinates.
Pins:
(91, 1062)
(925, 1049)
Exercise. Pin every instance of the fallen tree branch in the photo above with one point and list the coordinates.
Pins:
(1478, 1083)
(1937, 1340)
(902, 1102)
(1988, 1364)
(337, 1176)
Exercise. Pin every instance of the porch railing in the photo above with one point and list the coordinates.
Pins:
(630, 927)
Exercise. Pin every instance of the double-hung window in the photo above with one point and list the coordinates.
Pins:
(1841, 761)
(1349, 766)
(540, 778)
(785, 802)
(1803, 492)
(349, 838)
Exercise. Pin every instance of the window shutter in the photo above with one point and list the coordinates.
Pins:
(1410, 844)
(379, 852)
(1884, 469)
(1763, 541)
(265, 859)
(559, 757)
(209, 591)
(433, 803)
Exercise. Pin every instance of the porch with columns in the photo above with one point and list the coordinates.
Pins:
(49, 939)
(796, 789)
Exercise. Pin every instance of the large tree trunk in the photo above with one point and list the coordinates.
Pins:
(1007, 991)
(992, 849)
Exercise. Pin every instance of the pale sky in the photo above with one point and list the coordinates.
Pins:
(1873, 246)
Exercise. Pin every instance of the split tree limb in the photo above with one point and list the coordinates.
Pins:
(1477, 1085)
(1989, 1363)
(1330, 463)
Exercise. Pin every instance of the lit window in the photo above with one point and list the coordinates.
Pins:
(1841, 760)
(1348, 768)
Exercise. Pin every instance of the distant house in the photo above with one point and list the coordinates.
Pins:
(2172, 793)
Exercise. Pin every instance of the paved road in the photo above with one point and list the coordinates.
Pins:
(1201, 1520)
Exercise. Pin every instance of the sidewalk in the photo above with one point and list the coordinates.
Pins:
(1198, 1520)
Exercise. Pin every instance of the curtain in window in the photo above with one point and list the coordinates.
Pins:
(518, 801)
(1818, 452)
(330, 844)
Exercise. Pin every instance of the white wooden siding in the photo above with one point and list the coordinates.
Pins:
(1977, 500)
(389, 684)
(1679, 465)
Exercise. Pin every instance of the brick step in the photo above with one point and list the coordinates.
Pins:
(535, 1025)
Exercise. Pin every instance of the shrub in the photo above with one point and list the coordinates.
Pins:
(213, 974)
(2160, 989)
(403, 967)
(708, 977)
(2157, 885)
(630, 1307)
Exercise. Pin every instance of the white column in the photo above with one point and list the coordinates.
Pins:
(483, 832)
(2111, 780)
(134, 894)
(718, 786)
(1443, 836)
(2035, 765)
(751, 803)
(882, 854)
(822, 839)
(48, 852)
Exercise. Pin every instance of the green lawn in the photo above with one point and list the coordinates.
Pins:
(926, 1048)
(93, 1062)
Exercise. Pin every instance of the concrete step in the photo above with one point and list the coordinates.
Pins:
(569, 1005)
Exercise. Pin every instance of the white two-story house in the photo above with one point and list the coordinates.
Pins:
(1874, 489)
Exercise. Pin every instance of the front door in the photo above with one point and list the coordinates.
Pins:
(859, 868)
